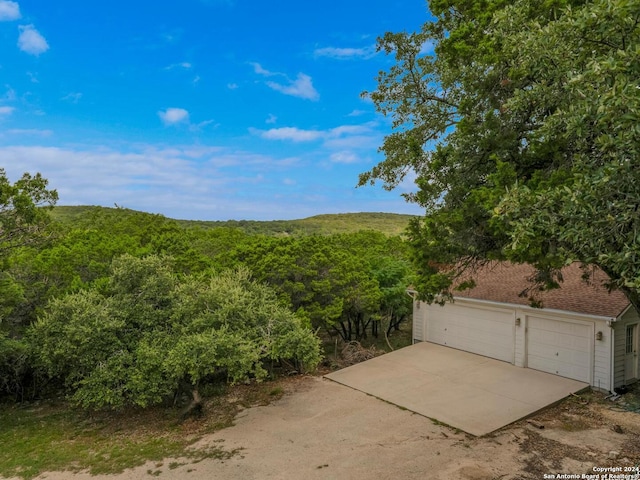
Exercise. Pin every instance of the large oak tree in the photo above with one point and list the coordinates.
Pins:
(521, 123)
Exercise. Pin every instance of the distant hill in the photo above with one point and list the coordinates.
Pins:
(387, 223)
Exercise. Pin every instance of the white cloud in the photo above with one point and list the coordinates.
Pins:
(290, 133)
(199, 182)
(301, 87)
(346, 53)
(6, 111)
(201, 125)
(73, 97)
(173, 116)
(368, 141)
(339, 139)
(300, 135)
(356, 113)
(192, 182)
(232, 86)
(348, 129)
(30, 132)
(344, 157)
(9, 11)
(31, 41)
(185, 65)
(257, 68)
(271, 118)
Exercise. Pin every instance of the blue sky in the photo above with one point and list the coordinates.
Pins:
(200, 109)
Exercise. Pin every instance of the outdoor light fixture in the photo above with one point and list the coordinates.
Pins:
(518, 322)
(599, 336)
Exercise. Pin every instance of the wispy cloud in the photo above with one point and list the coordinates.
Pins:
(301, 87)
(173, 116)
(345, 144)
(198, 181)
(32, 132)
(232, 86)
(184, 65)
(172, 36)
(345, 53)
(344, 157)
(9, 11)
(194, 182)
(73, 97)
(198, 127)
(290, 133)
(295, 134)
(31, 41)
(6, 111)
(257, 68)
(271, 118)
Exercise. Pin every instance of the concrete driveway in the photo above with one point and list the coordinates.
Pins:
(472, 393)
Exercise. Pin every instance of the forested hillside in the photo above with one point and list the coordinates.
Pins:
(387, 223)
(115, 307)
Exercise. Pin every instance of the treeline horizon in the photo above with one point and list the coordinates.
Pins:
(323, 224)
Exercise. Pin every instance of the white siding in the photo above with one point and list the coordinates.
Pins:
(491, 330)
(602, 357)
(418, 322)
(619, 332)
(520, 346)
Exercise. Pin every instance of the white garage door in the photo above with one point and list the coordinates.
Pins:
(486, 332)
(560, 347)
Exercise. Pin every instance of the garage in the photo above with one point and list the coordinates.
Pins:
(483, 331)
(560, 347)
(581, 331)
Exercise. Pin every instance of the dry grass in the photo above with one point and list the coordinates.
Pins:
(40, 437)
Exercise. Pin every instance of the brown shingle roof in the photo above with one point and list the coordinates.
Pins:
(504, 282)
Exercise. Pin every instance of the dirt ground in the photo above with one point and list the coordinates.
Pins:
(323, 430)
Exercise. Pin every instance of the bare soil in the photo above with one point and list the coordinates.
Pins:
(321, 430)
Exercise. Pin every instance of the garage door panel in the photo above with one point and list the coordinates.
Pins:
(544, 364)
(542, 350)
(481, 331)
(560, 347)
(570, 371)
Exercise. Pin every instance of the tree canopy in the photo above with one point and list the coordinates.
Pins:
(145, 334)
(22, 215)
(521, 123)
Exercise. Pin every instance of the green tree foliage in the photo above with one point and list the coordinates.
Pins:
(81, 252)
(521, 123)
(343, 283)
(14, 366)
(146, 334)
(23, 210)
(24, 218)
